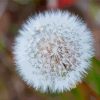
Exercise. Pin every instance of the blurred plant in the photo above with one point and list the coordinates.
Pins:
(23, 2)
(3, 5)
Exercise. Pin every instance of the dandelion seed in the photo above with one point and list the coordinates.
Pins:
(53, 51)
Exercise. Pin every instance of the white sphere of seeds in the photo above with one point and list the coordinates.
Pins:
(53, 51)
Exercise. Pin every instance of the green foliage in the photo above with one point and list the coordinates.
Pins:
(94, 76)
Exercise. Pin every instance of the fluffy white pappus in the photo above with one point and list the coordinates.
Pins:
(53, 51)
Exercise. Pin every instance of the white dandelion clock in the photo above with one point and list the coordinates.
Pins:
(53, 51)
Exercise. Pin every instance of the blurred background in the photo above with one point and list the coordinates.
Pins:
(12, 14)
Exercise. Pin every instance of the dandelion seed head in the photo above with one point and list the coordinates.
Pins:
(53, 51)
